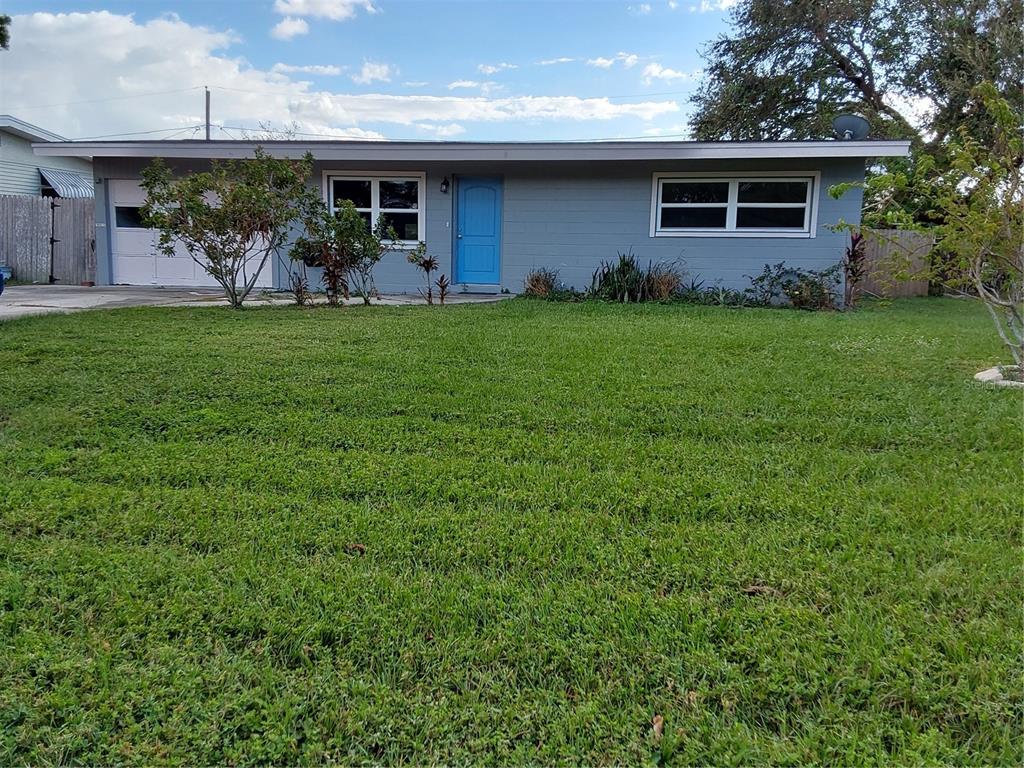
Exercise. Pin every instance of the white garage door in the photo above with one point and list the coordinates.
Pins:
(138, 261)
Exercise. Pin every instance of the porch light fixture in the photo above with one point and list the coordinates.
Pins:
(444, 186)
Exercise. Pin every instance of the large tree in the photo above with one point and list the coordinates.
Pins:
(787, 67)
(5, 31)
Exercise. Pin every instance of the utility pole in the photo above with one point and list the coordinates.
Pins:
(207, 112)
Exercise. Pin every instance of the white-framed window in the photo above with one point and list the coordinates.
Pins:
(780, 204)
(398, 197)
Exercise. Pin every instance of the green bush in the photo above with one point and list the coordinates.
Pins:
(779, 285)
(625, 281)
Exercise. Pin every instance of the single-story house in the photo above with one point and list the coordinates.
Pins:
(492, 212)
(22, 172)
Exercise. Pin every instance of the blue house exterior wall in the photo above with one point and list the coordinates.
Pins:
(571, 216)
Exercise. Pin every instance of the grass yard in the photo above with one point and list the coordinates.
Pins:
(509, 533)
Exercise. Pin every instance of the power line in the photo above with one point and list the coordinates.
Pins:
(179, 129)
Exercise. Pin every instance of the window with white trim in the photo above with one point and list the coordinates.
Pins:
(743, 205)
(399, 199)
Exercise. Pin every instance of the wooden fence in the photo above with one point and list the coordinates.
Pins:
(25, 238)
(890, 252)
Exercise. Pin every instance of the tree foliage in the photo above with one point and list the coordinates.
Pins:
(980, 206)
(976, 214)
(344, 246)
(5, 31)
(231, 218)
(329, 242)
(789, 66)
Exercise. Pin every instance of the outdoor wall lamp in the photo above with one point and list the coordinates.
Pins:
(444, 186)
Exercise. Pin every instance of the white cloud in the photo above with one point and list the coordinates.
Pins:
(373, 71)
(447, 131)
(335, 10)
(713, 5)
(289, 27)
(485, 86)
(640, 10)
(655, 71)
(490, 69)
(673, 4)
(409, 109)
(628, 60)
(559, 60)
(679, 131)
(143, 76)
(415, 83)
(306, 69)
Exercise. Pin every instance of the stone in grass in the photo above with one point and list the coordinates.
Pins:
(1001, 376)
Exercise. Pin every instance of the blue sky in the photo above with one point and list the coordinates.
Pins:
(395, 69)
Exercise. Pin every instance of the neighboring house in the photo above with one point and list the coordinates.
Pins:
(23, 173)
(491, 212)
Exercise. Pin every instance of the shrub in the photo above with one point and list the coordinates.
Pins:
(343, 246)
(622, 281)
(813, 290)
(768, 288)
(626, 281)
(694, 292)
(443, 288)
(419, 258)
(854, 269)
(801, 288)
(664, 282)
(541, 283)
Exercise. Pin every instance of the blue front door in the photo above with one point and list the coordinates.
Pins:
(478, 231)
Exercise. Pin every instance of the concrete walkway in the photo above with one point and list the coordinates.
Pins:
(27, 300)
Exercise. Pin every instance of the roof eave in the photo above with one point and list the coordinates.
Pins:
(28, 131)
(470, 151)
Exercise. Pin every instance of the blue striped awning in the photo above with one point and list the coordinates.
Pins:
(67, 183)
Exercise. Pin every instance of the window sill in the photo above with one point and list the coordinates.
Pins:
(749, 234)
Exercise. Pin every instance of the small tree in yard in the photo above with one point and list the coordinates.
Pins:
(978, 207)
(329, 243)
(231, 218)
(980, 202)
(343, 246)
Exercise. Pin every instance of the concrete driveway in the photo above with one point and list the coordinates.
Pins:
(25, 300)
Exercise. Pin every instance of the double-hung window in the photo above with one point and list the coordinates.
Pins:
(398, 198)
(686, 205)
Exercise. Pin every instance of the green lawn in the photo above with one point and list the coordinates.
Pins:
(509, 533)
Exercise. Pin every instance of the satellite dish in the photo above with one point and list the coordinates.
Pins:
(850, 127)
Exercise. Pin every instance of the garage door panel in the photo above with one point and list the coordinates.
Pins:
(134, 270)
(136, 257)
(176, 270)
(135, 242)
(125, 192)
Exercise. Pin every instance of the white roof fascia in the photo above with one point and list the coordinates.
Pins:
(482, 151)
